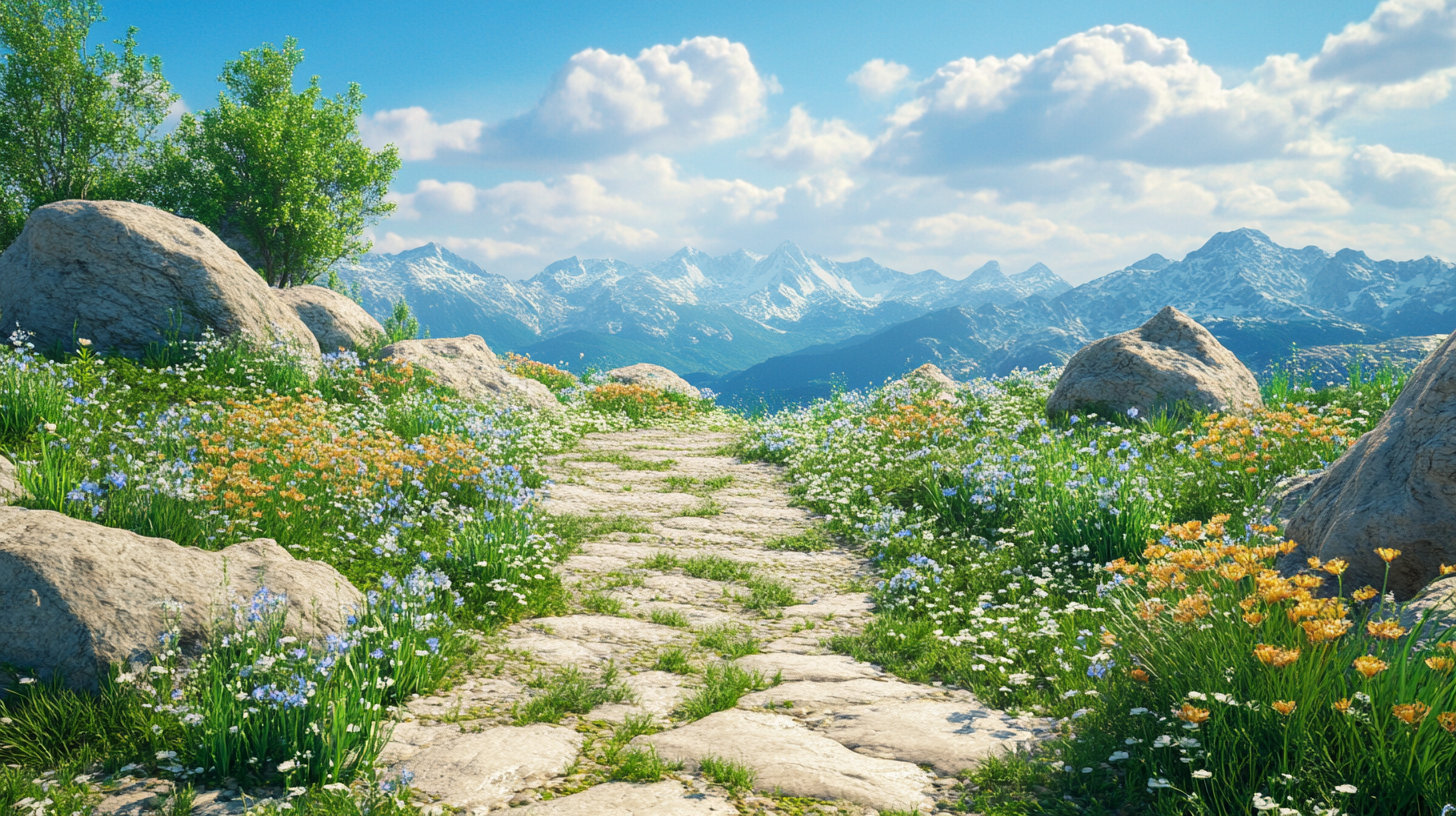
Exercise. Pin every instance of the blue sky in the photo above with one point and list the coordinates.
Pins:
(924, 135)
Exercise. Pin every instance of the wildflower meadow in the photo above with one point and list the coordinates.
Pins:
(1116, 575)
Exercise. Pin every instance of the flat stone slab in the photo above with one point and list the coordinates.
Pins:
(788, 757)
(560, 651)
(854, 604)
(605, 628)
(658, 693)
(411, 737)
(808, 696)
(484, 770)
(665, 798)
(818, 668)
(948, 735)
(697, 616)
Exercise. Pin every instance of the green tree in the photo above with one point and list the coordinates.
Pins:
(74, 123)
(282, 177)
(401, 324)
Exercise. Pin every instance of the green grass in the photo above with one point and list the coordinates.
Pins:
(765, 594)
(569, 691)
(576, 529)
(641, 765)
(723, 686)
(735, 776)
(679, 484)
(708, 508)
(728, 640)
(716, 568)
(814, 539)
(668, 617)
(717, 483)
(674, 659)
(661, 561)
(626, 462)
(601, 603)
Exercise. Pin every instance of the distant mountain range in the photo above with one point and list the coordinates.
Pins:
(789, 326)
(691, 312)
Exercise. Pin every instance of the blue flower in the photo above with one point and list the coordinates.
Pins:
(377, 654)
(117, 478)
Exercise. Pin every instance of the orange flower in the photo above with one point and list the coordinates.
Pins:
(1307, 581)
(1410, 713)
(1109, 639)
(1447, 721)
(1285, 707)
(1253, 618)
(1385, 630)
(1324, 630)
(1370, 666)
(1445, 570)
(1364, 593)
(1336, 566)
(1191, 608)
(1441, 664)
(1188, 713)
(1342, 705)
(1139, 675)
(1149, 609)
(1275, 656)
(1447, 644)
(1387, 554)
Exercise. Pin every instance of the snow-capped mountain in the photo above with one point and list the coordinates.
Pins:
(692, 310)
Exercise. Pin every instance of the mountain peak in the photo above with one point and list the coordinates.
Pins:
(1152, 263)
(1234, 241)
(989, 273)
(434, 251)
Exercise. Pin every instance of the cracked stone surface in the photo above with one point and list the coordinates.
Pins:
(838, 729)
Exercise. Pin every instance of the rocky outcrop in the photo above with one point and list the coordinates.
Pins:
(1168, 360)
(467, 365)
(335, 321)
(652, 376)
(10, 487)
(76, 596)
(1394, 488)
(127, 275)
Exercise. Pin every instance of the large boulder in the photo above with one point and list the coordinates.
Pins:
(1394, 488)
(467, 365)
(126, 275)
(76, 596)
(653, 376)
(1168, 360)
(335, 321)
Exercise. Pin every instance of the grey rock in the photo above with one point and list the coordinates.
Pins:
(948, 735)
(816, 668)
(76, 596)
(123, 275)
(1288, 495)
(806, 696)
(1395, 487)
(467, 365)
(10, 488)
(655, 694)
(1167, 360)
(790, 758)
(335, 321)
(665, 798)
(653, 376)
(484, 770)
(1436, 605)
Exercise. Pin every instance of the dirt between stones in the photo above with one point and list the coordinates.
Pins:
(826, 732)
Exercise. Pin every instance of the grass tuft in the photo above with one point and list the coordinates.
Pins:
(729, 640)
(568, 691)
(723, 686)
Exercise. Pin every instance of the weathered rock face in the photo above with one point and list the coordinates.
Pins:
(652, 376)
(479, 772)
(335, 321)
(1395, 487)
(76, 596)
(931, 375)
(123, 275)
(467, 365)
(10, 488)
(1168, 359)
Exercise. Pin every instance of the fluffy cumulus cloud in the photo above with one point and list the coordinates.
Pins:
(806, 142)
(417, 135)
(878, 78)
(1401, 180)
(1403, 40)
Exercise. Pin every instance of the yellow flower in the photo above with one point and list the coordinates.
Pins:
(1370, 666)
(1342, 705)
(1109, 639)
(1445, 570)
(1447, 721)
(1307, 581)
(1285, 707)
(1253, 618)
(1447, 644)
(1188, 713)
(1410, 713)
(1364, 593)
(1385, 630)
(1387, 554)
(1336, 566)
(1139, 675)
(1441, 664)
(1275, 656)
(1324, 630)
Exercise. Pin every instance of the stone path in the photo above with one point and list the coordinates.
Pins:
(831, 729)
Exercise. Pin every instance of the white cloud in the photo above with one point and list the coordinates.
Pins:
(1402, 180)
(806, 142)
(878, 78)
(1113, 92)
(1402, 40)
(703, 90)
(417, 135)
(432, 197)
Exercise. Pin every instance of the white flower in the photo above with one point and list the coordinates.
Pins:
(1118, 756)
(1197, 695)
(337, 787)
(1159, 783)
(50, 427)
(25, 681)
(287, 765)
(1346, 789)
(1202, 774)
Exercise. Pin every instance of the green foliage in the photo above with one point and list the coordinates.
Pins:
(662, 561)
(708, 508)
(724, 684)
(735, 776)
(44, 724)
(576, 529)
(568, 691)
(716, 568)
(766, 594)
(674, 659)
(73, 123)
(625, 461)
(640, 765)
(401, 323)
(811, 540)
(601, 603)
(729, 640)
(280, 176)
(668, 617)
(352, 291)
